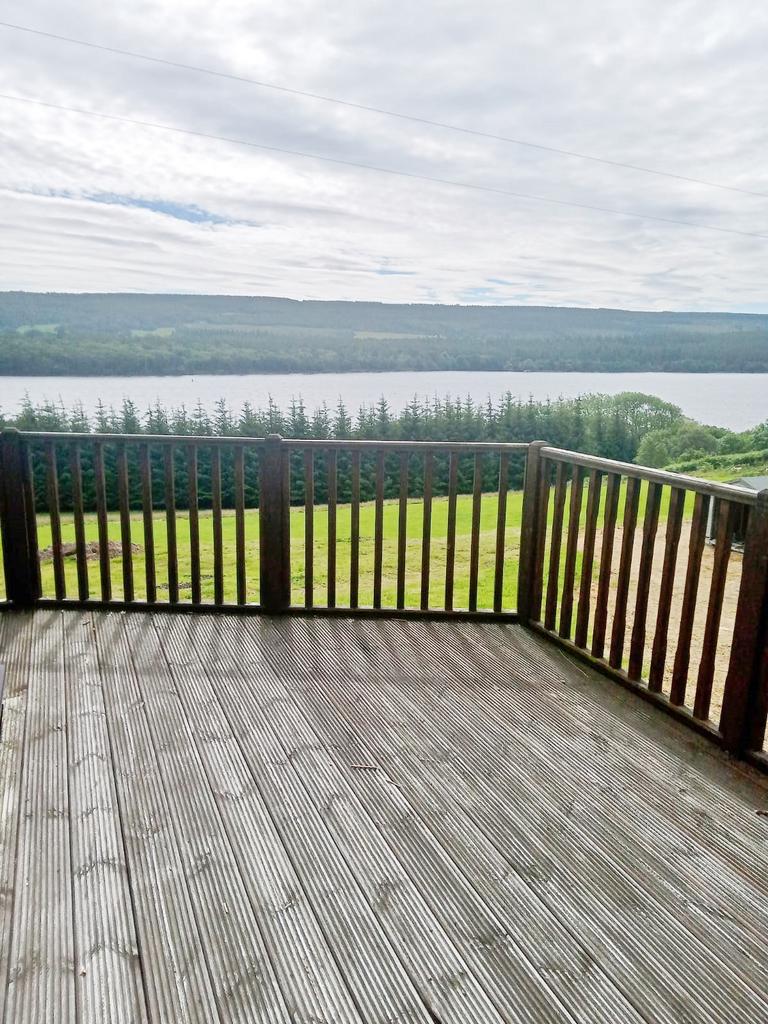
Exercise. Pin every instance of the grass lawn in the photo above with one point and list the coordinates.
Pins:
(389, 571)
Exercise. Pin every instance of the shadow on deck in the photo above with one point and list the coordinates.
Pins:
(338, 820)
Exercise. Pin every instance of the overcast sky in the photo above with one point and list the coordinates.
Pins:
(89, 205)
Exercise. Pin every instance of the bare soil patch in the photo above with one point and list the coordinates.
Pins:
(92, 550)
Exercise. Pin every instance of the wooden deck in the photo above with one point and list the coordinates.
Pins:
(217, 818)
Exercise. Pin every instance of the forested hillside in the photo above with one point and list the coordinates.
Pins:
(170, 334)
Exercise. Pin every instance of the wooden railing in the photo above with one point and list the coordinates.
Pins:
(658, 580)
(636, 570)
(265, 524)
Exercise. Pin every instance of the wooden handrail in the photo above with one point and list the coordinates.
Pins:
(353, 444)
(658, 476)
(299, 444)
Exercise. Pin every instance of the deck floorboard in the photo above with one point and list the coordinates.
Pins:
(106, 939)
(41, 974)
(14, 635)
(216, 818)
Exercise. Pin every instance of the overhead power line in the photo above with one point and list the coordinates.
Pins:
(475, 187)
(414, 118)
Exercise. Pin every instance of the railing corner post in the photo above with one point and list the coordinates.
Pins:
(19, 524)
(529, 531)
(274, 527)
(745, 697)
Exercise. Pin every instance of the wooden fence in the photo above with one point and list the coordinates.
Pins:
(612, 561)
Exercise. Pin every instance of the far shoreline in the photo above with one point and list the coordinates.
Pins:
(369, 373)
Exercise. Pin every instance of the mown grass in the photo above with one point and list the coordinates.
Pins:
(489, 510)
(487, 551)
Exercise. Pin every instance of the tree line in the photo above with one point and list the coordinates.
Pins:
(609, 426)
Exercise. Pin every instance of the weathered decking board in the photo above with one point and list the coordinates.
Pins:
(41, 967)
(106, 944)
(14, 638)
(241, 819)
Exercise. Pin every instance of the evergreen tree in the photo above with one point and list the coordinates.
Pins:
(130, 419)
(250, 423)
(342, 422)
(201, 423)
(321, 422)
(223, 424)
(298, 424)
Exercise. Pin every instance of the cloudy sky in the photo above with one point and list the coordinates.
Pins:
(88, 204)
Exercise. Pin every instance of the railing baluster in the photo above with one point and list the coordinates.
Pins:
(275, 526)
(542, 513)
(426, 530)
(30, 503)
(666, 588)
(688, 610)
(218, 543)
(354, 534)
(612, 489)
(619, 624)
(450, 540)
(331, 463)
(285, 531)
(402, 524)
(501, 533)
(529, 525)
(76, 472)
(474, 549)
(170, 525)
(555, 547)
(650, 526)
(309, 528)
(54, 512)
(588, 558)
(723, 541)
(102, 521)
(571, 549)
(240, 525)
(193, 501)
(378, 529)
(124, 501)
(149, 525)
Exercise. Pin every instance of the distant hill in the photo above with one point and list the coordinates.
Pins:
(52, 333)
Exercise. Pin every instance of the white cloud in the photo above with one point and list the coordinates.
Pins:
(667, 85)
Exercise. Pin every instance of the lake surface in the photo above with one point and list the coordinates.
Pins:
(733, 400)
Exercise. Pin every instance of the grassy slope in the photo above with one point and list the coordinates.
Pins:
(726, 467)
